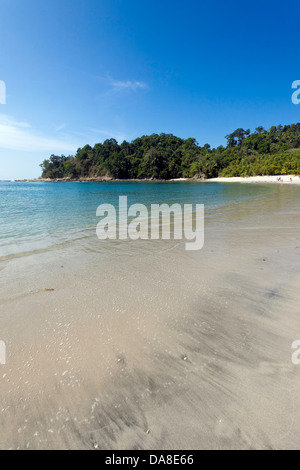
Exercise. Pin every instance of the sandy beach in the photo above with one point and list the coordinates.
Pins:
(147, 346)
(284, 179)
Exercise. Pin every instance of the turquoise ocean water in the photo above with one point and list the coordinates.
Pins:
(40, 216)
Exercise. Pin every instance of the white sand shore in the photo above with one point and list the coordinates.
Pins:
(180, 179)
(290, 179)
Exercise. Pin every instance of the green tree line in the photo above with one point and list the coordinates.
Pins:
(275, 151)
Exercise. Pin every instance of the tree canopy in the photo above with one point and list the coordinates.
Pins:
(166, 156)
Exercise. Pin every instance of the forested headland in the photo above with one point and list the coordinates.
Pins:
(264, 152)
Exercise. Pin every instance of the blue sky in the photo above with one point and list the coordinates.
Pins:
(79, 72)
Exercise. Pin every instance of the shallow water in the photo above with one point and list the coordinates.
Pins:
(39, 216)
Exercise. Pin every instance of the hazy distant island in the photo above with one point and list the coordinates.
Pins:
(164, 157)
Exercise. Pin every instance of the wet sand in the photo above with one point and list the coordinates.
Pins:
(142, 345)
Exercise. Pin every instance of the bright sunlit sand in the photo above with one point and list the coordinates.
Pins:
(289, 179)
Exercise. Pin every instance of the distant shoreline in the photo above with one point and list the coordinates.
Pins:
(284, 179)
(105, 179)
